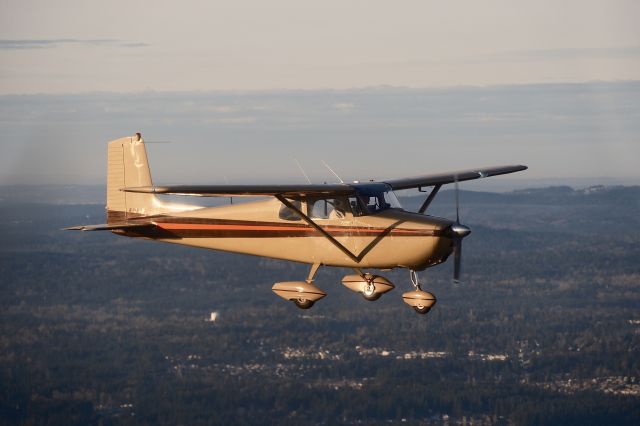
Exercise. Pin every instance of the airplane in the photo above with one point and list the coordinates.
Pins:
(359, 225)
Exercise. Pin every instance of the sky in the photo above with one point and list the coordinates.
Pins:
(376, 88)
(76, 46)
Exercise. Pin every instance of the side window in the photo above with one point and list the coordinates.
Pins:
(287, 214)
(320, 209)
(391, 201)
(356, 206)
(330, 208)
(370, 202)
(375, 203)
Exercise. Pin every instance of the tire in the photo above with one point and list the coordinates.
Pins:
(422, 310)
(303, 303)
(372, 297)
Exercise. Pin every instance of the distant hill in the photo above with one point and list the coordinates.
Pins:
(562, 195)
(53, 194)
(593, 210)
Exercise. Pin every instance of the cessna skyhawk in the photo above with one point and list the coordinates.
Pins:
(353, 225)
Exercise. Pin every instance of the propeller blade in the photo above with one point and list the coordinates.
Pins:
(457, 265)
(457, 200)
(458, 232)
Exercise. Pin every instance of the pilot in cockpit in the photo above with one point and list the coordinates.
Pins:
(375, 203)
(340, 207)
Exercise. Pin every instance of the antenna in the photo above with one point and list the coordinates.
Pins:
(302, 170)
(331, 170)
(226, 181)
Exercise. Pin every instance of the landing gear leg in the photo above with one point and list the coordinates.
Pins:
(312, 272)
(421, 301)
(302, 302)
(413, 275)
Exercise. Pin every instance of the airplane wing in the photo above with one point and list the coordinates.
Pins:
(322, 189)
(450, 177)
(247, 190)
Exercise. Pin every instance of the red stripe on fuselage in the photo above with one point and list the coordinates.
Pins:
(291, 229)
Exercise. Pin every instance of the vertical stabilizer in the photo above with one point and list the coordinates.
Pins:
(127, 166)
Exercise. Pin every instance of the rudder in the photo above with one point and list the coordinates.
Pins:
(127, 166)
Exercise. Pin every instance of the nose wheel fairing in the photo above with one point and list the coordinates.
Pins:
(370, 286)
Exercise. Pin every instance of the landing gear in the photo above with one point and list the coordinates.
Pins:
(369, 292)
(303, 303)
(372, 287)
(413, 275)
(302, 293)
(421, 309)
(421, 301)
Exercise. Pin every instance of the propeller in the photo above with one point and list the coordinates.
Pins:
(458, 232)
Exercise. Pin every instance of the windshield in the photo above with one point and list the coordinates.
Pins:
(377, 198)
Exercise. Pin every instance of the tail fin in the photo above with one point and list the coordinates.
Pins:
(127, 166)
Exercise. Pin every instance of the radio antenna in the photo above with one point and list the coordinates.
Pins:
(226, 181)
(302, 170)
(331, 170)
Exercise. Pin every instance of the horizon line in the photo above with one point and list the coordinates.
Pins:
(379, 87)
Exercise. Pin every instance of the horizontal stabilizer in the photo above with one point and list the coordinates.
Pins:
(110, 227)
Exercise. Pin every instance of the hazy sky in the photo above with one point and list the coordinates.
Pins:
(558, 130)
(76, 46)
(376, 88)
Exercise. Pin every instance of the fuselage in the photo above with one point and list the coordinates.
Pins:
(383, 240)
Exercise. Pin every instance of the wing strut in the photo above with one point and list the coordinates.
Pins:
(429, 199)
(318, 228)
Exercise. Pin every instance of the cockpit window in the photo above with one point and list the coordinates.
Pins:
(328, 208)
(377, 198)
(369, 199)
(286, 213)
(356, 206)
